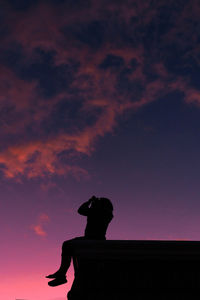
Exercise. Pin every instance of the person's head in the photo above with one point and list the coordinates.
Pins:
(103, 204)
(106, 204)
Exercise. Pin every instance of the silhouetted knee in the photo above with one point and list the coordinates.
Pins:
(66, 246)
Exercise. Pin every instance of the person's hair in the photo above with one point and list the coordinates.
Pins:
(106, 204)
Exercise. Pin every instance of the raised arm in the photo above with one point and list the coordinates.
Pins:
(85, 207)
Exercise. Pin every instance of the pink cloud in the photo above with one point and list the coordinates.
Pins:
(39, 227)
(39, 230)
(191, 95)
(17, 159)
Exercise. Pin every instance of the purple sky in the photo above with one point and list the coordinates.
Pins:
(96, 98)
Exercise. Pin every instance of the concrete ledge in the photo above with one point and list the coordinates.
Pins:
(113, 269)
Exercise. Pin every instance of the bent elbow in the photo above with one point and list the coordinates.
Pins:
(82, 212)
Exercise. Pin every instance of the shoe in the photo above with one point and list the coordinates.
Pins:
(57, 281)
(55, 275)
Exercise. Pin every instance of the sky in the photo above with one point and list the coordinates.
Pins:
(96, 98)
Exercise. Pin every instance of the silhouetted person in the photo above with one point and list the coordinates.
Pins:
(99, 212)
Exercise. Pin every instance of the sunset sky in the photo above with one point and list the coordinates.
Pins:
(96, 98)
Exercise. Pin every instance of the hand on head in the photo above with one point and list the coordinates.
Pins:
(93, 199)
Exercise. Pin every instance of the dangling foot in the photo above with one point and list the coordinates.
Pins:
(56, 275)
(57, 281)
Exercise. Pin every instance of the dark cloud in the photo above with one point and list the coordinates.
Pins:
(149, 71)
(112, 62)
(91, 34)
(51, 79)
(69, 116)
(22, 5)
(71, 4)
(131, 89)
(70, 69)
(12, 56)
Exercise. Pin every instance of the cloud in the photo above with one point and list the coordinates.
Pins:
(69, 71)
(39, 227)
(39, 230)
(44, 218)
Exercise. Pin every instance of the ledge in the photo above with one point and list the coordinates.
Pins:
(114, 268)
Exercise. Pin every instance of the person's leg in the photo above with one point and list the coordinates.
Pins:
(60, 275)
